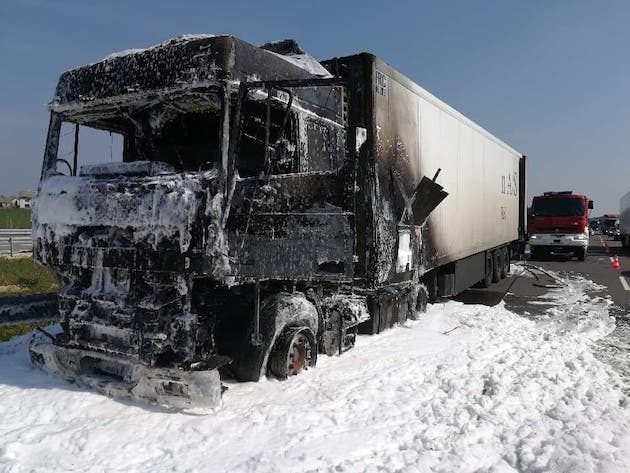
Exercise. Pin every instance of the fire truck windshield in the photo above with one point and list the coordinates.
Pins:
(558, 207)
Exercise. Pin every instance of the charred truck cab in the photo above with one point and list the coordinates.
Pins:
(265, 208)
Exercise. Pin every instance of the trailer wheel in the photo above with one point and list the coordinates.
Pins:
(497, 262)
(504, 262)
(295, 350)
(507, 262)
(487, 279)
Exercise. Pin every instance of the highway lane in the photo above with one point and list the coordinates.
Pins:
(522, 295)
(598, 267)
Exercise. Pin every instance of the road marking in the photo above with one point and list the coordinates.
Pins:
(611, 259)
(624, 283)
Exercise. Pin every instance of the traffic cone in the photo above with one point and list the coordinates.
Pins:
(615, 264)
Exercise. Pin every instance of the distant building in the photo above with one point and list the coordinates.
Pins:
(5, 201)
(23, 199)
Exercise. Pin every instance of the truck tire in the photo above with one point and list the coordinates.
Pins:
(505, 263)
(497, 262)
(487, 279)
(581, 254)
(278, 312)
(539, 252)
(431, 284)
(295, 350)
(508, 261)
(422, 299)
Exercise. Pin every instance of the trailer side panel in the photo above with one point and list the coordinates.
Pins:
(417, 134)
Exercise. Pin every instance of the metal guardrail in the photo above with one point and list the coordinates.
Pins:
(14, 241)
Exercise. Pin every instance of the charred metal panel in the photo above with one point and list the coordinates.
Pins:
(357, 70)
(181, 63)
(291, 227)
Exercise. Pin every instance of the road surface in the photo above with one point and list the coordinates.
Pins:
(526, 295)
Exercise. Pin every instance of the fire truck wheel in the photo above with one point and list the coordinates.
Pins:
(294, 351)
(581, 254)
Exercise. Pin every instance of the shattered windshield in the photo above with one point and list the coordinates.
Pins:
(183, 134)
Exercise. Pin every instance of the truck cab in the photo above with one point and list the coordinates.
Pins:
(558, 223)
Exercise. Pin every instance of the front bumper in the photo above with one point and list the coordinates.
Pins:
(126, 378)
(575, 240)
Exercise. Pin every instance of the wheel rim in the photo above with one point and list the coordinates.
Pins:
(299, 355)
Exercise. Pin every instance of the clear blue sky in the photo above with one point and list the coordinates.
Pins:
(551, 78)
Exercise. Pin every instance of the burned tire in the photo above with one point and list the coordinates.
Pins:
(487, 279)
(295, 350)
(497, 262)
(431, 283)
(422, 299)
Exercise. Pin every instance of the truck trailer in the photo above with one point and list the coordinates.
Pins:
(265, 208)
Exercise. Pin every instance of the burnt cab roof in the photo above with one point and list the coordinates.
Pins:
(186, 62)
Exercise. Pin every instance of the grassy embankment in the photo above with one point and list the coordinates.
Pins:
(15, 218)
(7, 332)
(21, 276)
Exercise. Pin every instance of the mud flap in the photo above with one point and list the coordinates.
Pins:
(127, 379)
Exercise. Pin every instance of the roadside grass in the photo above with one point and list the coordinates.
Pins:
(7, 332)
(19, 276)
(15, 218)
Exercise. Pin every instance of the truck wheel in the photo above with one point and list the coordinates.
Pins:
(497, 262)
(431, 283)
(508, 261)
(582, 254)
(422, 299)
(487, 279)
(539, 253)
(295, 350)
(505, 263)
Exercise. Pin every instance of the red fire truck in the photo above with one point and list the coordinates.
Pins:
(558, 223)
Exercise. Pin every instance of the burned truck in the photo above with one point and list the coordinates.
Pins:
(249, 208)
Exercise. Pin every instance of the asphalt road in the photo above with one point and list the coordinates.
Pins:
(597, 267)
(522, 295)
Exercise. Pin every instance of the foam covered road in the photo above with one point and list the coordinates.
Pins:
(466, 388)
